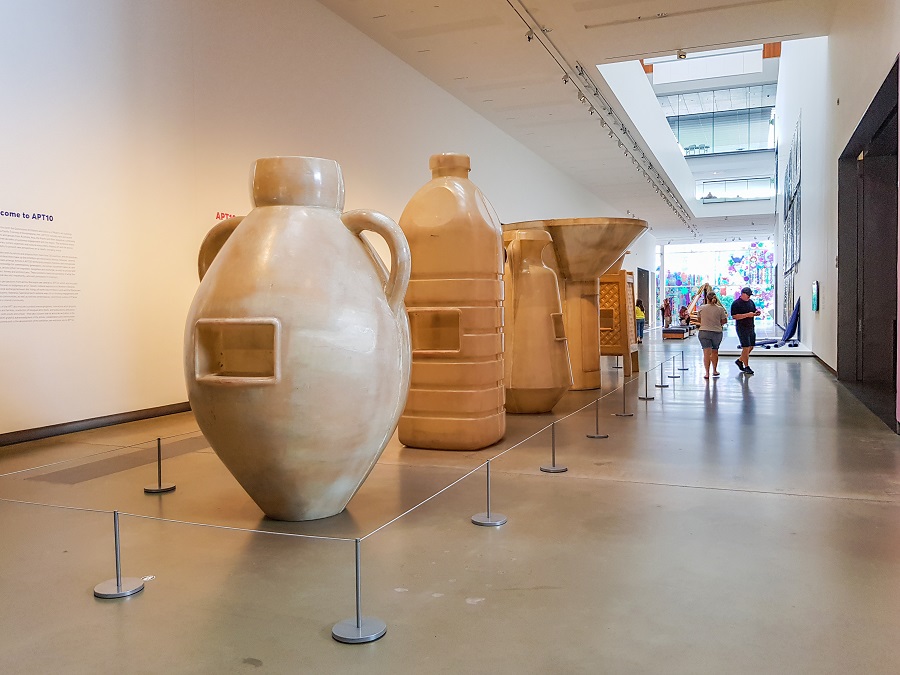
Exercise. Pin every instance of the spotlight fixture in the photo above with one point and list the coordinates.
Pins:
(529, 35)
(681, 54)
(581, 98)
(565, 79)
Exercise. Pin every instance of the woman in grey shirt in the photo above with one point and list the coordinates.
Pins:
(712, 318)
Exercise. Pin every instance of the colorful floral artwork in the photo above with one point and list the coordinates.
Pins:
(727, 267)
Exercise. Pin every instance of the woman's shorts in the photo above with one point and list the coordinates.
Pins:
(710, 339)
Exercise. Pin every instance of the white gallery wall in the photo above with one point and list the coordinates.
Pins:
(830, 84)
(133, 125)
(803, 98)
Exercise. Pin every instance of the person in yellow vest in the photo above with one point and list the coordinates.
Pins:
(639, 318)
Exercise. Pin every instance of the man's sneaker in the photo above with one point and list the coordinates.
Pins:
(739, 364)
(748, 371)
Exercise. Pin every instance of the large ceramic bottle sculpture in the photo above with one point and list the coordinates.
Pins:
(297, 343)
(455, 304)
(536, 356)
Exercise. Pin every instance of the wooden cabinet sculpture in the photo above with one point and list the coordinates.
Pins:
(618, 334)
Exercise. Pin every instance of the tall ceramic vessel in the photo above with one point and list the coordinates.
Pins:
(455, 304)
(536, 356)
(585, 248)
(296, 348)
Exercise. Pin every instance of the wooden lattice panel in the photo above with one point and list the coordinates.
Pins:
(610, 313)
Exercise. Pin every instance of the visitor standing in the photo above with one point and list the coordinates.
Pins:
(639, 318)
(666, 310)
(744, 312)
(712, 318)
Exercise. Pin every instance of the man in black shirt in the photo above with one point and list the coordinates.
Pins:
(743, 311)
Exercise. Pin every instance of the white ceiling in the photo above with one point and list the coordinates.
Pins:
(479, 51)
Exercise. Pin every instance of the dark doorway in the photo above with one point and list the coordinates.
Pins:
(643, 290)
(867, 255)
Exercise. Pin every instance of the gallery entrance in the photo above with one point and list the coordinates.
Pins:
(643, 291)
(867, 254)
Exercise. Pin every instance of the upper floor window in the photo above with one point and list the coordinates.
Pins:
(724, 120)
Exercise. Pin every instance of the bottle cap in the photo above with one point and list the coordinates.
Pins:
(449, 160)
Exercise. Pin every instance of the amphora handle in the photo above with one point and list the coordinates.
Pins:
(395, 287)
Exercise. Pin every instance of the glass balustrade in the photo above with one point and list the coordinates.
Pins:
(735, 190)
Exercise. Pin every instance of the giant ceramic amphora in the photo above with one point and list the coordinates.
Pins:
(297, 352)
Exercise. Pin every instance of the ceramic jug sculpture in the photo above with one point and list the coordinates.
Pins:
(584, 249)
(297, 343)
(455, 305)
(536, 357)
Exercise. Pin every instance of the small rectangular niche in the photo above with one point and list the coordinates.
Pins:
(237, 351)
(434, 330)
(559, 327)
(607, 319)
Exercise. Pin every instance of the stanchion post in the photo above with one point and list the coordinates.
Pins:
(617, 362)
(682, 362)
(673, 376)
(624, 407)
(553, 468)
(597, 433)
(118, 587)
(646, 396)
(360, 629)
(160, 487)
(661, 384)
(487, 518)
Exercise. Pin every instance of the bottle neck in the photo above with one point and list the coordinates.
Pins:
(458, 172)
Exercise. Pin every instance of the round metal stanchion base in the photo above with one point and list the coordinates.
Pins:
(684, 369)
(369, 629)
(662, 386)
(554, 469)
(495, 520)
(624, 414)
(674, 377)
(646, 398)
(159, 489)
(110, 589)
(598, 435)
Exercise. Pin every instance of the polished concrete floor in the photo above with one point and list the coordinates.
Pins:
(749, 524)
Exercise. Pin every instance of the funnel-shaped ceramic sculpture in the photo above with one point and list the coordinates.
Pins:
(585, 249)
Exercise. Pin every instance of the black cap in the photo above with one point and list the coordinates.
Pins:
(747, 290)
